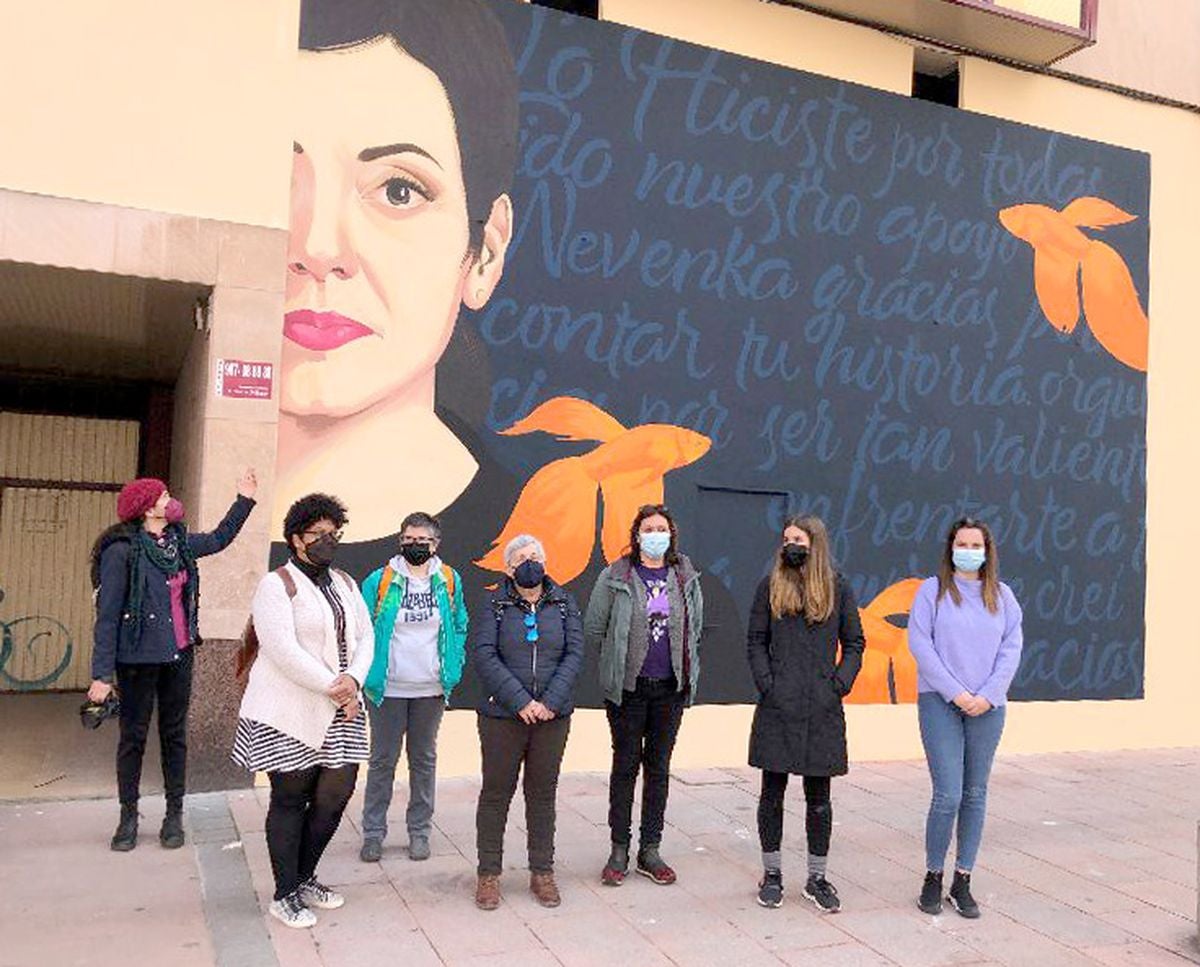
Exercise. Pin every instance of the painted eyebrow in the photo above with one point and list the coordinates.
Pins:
(370, 154)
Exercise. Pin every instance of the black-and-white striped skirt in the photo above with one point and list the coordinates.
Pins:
(260, 748)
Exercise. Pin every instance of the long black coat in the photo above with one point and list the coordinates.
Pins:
(799, 726)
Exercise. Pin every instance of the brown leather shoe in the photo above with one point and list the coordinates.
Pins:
(544, 889)
(487, 891)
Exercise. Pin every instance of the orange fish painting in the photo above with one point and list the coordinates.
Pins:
(558, 504)
(889, 672)
(1062, 252)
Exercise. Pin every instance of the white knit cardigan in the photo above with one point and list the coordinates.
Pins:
(298, 654)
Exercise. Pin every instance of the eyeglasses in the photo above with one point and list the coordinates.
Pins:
(317, 535)
(531, 628)
(423, 541)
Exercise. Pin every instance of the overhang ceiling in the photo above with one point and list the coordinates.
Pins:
(74, 323)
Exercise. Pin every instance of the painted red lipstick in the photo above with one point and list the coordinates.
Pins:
(321, 331)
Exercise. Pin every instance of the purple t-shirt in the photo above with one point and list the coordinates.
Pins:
(179, 623)
(658, 622)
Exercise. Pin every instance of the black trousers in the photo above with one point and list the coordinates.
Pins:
(140, 686)
(506, 744)
(305, 810)
(818, 812)
(644, 728)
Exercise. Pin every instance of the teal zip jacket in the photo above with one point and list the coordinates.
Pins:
(452, 628)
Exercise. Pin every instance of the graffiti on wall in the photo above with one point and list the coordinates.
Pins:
(543, 269)
(33, 642)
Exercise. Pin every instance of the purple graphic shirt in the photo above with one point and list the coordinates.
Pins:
(658, 622)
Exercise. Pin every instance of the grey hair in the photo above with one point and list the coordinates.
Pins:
(523, 540)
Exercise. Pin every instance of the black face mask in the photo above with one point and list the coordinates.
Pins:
(416, 554)
(322, 551)
(794, 555)
(529, 574)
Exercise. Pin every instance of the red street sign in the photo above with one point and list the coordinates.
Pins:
(245, 380)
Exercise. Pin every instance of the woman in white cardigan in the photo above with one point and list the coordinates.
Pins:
(301, 717)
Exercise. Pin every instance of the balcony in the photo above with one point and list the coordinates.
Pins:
(1031, 31)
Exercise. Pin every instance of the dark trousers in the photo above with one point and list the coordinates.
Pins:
(818, 812)
(305, 811)
(644, 727)
(506, 744)
(139, 686)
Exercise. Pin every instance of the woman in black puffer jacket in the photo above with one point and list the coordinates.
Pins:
(802, 611)
(527, 649)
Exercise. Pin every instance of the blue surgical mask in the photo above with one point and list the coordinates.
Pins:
(654, 544)
(969, 558)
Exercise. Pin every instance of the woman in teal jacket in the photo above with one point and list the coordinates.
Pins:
(416, 603)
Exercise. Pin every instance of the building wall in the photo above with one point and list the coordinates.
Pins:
(172, 107)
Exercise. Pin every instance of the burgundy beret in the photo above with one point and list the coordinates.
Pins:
(138, 496)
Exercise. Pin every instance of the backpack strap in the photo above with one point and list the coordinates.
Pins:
(385, 582)
(448, 577)
(248, 649)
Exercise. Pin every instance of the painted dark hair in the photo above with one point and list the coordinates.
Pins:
(671, 558)
(308, 510)
(463, 43)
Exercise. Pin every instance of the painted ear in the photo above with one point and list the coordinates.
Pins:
(1091, 212)
(485, 273)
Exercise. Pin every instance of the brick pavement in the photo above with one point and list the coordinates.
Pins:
(1088, 858)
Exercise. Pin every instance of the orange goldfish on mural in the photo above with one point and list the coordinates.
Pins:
(558, 504)
(1061, 253)
(889, 671)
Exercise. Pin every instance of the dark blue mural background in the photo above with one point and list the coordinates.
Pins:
(812, 273)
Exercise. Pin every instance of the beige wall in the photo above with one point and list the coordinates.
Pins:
(1145, 45)
(157, 104)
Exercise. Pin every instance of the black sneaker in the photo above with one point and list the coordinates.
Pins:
(930, 900)
(960, 896)
(823, 893)
(770, 889)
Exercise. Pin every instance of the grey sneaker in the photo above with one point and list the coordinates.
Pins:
(770, 890)
(291, 912)
(372, 851)
(418, 847)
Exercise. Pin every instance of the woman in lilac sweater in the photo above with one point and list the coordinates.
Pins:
(964, 631)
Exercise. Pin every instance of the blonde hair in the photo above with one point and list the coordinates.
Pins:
(806, 590)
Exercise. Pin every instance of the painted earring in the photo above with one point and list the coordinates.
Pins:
(479, 293)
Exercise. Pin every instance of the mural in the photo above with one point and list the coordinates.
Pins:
(33, 642)
(543, 270)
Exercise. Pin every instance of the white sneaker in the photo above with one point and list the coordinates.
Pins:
(316, 894)
(291, 912)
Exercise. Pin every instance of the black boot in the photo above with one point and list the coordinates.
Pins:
(960, 896)
(125, 838)
(171, 835)
(931, 893)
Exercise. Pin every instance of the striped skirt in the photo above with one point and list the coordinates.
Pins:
(260, 748)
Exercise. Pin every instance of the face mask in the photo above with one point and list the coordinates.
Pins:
(968, 558)
(529, 574)
(322, 551)
(794, 555)
(654, 544)
(174, 512)
(416, 554)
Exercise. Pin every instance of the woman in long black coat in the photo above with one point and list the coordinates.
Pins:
(802, 611)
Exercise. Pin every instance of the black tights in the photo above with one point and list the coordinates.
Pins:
(818, 818)
(306, 808)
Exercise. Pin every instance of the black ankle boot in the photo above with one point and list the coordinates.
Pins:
(125, 838)
(171, 835)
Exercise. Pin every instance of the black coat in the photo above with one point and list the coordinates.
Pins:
(799, 726)
(515, 671)
(155, 642)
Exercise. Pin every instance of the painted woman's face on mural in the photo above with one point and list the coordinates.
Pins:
(378, 260)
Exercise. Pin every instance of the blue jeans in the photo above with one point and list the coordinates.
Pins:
(960, 750)
(397, 721)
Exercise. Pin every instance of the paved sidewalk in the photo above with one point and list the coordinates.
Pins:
(1087, 859)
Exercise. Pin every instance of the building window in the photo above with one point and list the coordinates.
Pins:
(935, 76)
(581, 8)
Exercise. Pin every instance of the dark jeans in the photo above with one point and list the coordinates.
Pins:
(818, 812)
(506, 743)
(305, 811)
(139, 685)
(644, 727)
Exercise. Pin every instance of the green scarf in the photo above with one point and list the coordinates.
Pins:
(168, 558)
